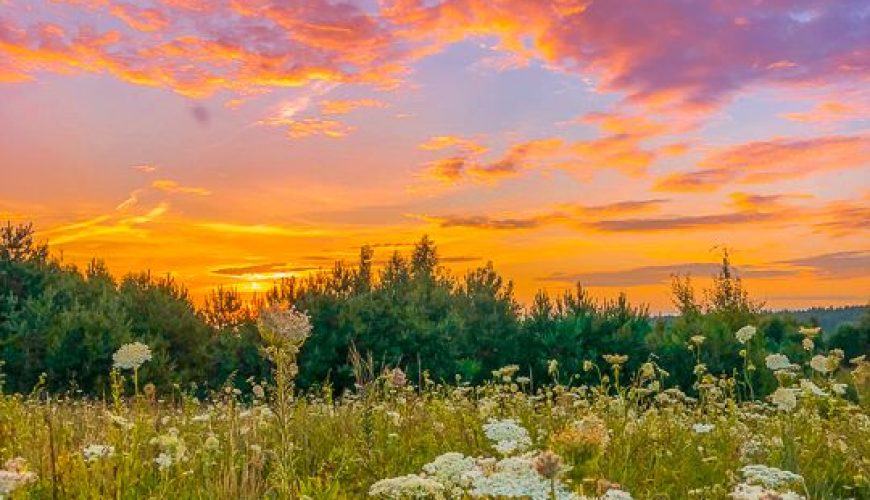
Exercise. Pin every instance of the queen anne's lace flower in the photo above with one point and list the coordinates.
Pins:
(410, 486)
(745, 491)
(745, 334)
(515, 477)
(703, 428)
(784, 399)
(94, 452)
(131, 356)
(451, 470)
(821, 364)
(769, 477)
(778, 362)
(507, 435)
(810, 387)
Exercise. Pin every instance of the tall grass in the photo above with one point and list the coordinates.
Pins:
(629, 435)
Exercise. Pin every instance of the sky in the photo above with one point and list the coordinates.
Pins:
(612, 143)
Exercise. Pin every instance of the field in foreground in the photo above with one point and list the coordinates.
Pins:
(624, 438)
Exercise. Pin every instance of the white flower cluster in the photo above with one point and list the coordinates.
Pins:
(131, 356)
(452, 471)
(284, 328)
(410, 486)
(811, 388)
(703, 428)
(454, 475)
(778, 362)
(507, 435)
(745, 334)
(822, 364)
(94, 452)
(515, 477)
(769, 477)
(14, 475)
(172, 449)
(784, 399)
(745, 491)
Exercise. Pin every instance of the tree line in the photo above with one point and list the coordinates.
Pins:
(60, 324)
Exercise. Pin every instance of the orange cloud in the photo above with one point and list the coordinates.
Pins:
(141, 19)
(772, 160)
(830, 111)
(344, 107)
(171, 186)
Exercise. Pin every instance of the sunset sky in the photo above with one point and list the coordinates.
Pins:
(608, 142)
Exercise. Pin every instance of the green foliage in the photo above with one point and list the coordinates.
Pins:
(411, 313)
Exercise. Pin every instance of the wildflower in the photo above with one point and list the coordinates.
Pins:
(808, 344)
(821, 364)
(548, 464)
(581, 440)
(697, 339)
(515, 477)
(784, 399)
(131, 356)
(552, 368)
(587, 365)
(523, 380)
(284, 329)
(703, 428)
(769, 477)
(809, 332)
(615, 359)
(745, 334)
(508, 435)
(94, 452)
(163, 460)
(258, 391)
(15, 475)
(451, 470)
(119, 421)
(616, 494)
(810, 387)
(839, 388)
(398, 377)
(778, 362)
(745, 491)
(506, 372)
(150, 390)
(410, 486)
(211, 442)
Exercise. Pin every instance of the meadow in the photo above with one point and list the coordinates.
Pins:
(628, 436)
(410, 382)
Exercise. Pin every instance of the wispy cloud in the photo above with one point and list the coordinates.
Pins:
(772, 160)
(171, 186)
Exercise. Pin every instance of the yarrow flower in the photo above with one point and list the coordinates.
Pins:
(810, 387)
(615, 359)
(745, 491)
(410, 486)
(507, 435)
(809, 332)
(769, 477)
(745, 334)
(703, 428)
(821, 364)
(784, 399)
(131, 356)
(778, 361)
(451, 470)
(94, 452)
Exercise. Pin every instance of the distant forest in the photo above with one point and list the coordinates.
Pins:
(60, 324)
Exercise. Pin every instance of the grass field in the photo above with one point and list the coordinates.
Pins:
(627, 437)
